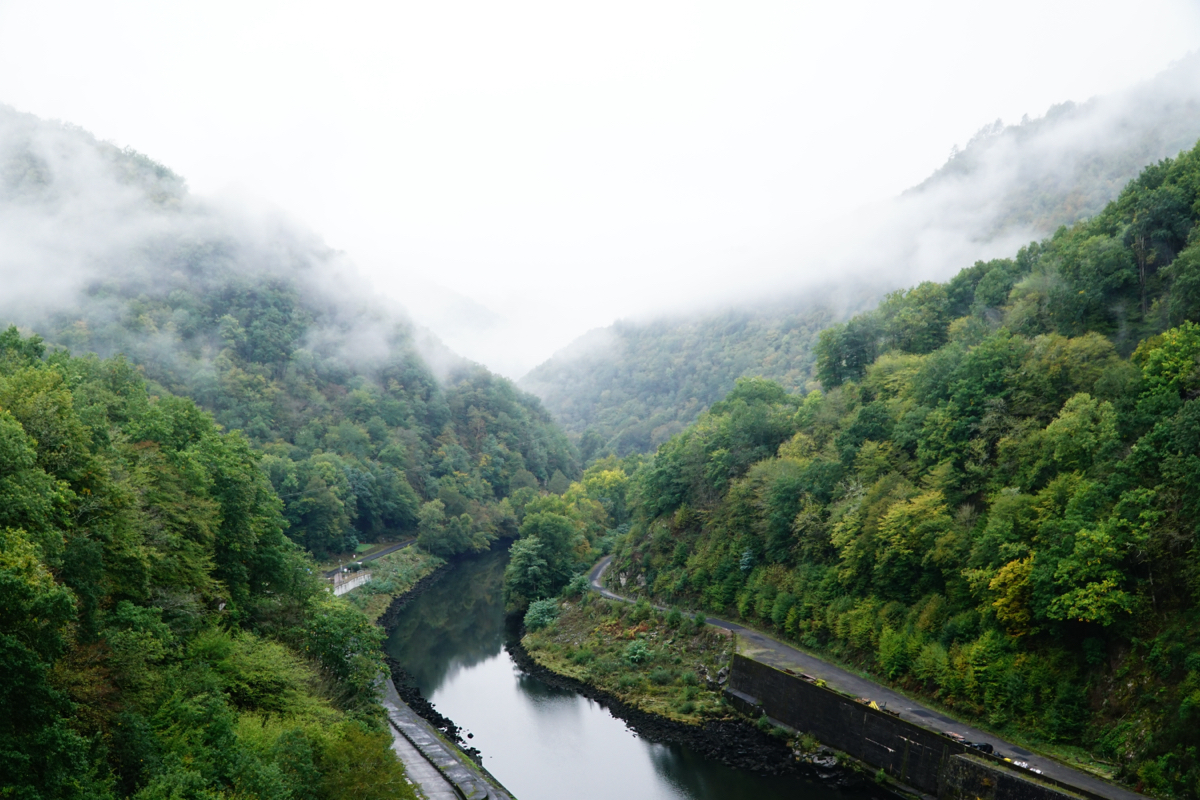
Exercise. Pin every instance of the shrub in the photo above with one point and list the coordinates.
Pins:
(605, 666)
(540, 614)
(641, 611)
(583, 656)
(638, 653)
(674, 618)
(660, 676)
(893, 653)
(932, 663)
(689, 678)
(577, 586)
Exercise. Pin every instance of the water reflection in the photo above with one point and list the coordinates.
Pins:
(539, 740)
(457, 624)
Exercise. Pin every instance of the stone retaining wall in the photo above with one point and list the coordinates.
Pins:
(969, 777)
(345, 581)
(913, 755)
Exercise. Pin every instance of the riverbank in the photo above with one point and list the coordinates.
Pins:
(394, 575)
(424, 737)
(468, 779)
(762, 648)
(669, 666)
(671, 692)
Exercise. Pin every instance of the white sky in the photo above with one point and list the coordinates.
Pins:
(565, 164)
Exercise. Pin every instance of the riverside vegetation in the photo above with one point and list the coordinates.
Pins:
(662, 663)
(392, 576)
(992, 500)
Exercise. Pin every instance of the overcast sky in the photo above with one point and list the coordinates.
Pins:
(564, 164)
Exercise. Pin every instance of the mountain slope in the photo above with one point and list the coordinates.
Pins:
(993, 499)
(160, 635)
(628, 387)
(363, 418)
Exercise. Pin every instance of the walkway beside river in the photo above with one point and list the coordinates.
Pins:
(759, 646)
(438, 769)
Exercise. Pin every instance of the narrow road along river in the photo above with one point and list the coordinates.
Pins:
(545, 743)
(777, 654)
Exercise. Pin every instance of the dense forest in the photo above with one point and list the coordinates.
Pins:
(627, 388)
(357, 445)
(162, 637)
(365, 422)
(990, 500)
(217, 399)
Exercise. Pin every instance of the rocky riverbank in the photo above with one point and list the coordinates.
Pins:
(411, 695)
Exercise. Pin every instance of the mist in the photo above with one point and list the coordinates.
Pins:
(519, 174)
(89, 234)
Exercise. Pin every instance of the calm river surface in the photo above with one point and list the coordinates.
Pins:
(545, 743)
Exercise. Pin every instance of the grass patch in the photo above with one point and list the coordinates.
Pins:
(656, 662)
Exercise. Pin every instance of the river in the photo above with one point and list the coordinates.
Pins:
(541, 742)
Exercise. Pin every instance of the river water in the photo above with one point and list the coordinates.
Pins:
(541, 742)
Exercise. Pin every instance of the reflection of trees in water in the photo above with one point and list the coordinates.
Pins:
(459, 620)
(692, 775)
(537, 689)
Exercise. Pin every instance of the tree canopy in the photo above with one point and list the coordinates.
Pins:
(991, 498)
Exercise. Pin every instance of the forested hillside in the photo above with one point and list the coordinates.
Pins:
(628, 387)
(364, 421)
(992, 499)
(161, 635)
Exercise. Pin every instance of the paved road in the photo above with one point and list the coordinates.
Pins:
(763, 648)
(373, 556)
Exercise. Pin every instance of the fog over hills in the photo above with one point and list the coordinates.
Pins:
(635, 383)
(86, 229)
(363, 416)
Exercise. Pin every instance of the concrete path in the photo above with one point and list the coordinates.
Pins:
(763, 648)
(430, 783)
(457, 780)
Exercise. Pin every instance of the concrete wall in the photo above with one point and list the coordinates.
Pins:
(344, 582)
(968, 777)
(909, 753)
